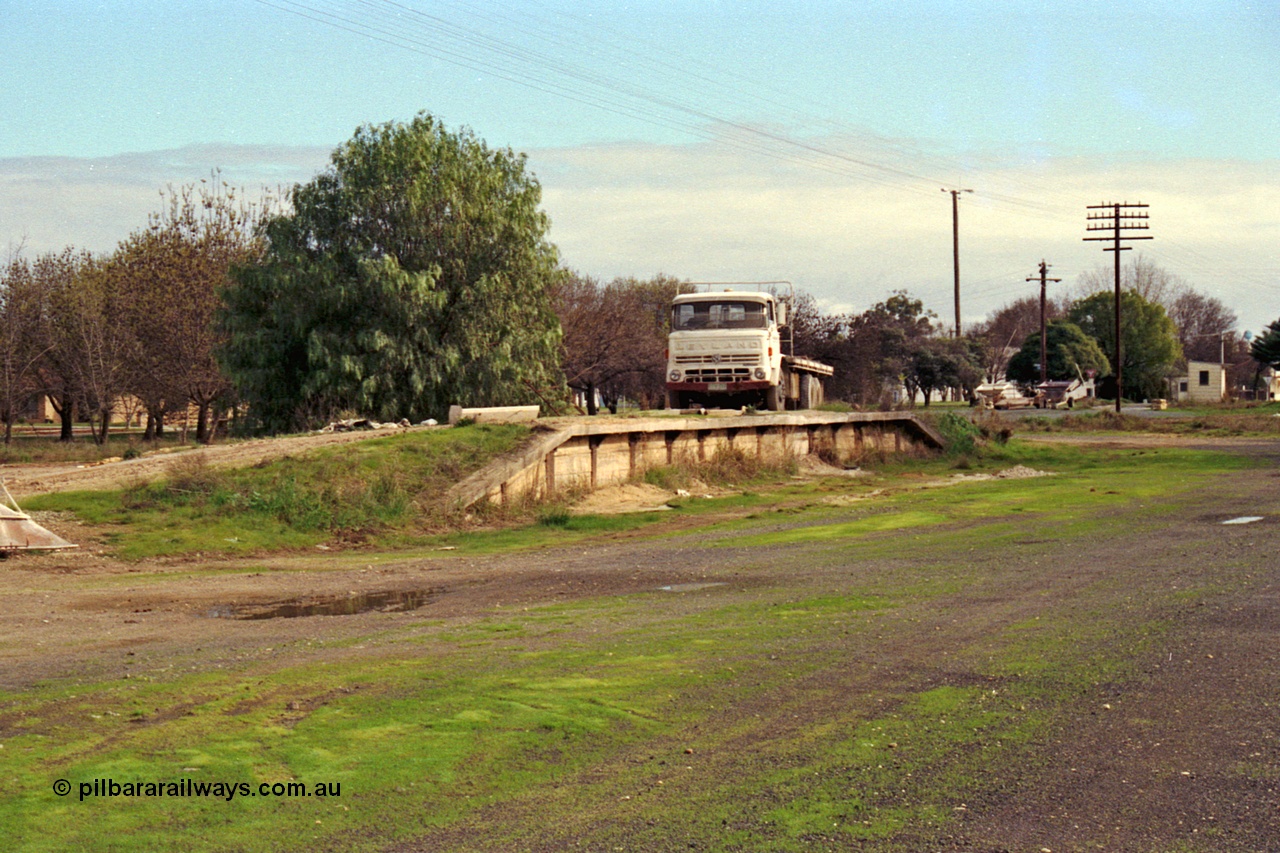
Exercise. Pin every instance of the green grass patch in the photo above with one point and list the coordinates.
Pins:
(348, 493)
(426, 722)
(476, 720)
(1200, 420)
(1081, 486)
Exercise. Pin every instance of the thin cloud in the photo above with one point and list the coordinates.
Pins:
(707, 211)
(47, 203)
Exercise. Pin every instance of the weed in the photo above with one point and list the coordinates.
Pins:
(961, 434)
(669, 477)
(554, 516)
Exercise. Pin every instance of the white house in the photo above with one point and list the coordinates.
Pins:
(1205, 382)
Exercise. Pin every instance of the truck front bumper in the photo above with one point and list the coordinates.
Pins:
(720, 387)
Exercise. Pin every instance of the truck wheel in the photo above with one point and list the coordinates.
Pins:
(807, 395)
(675, 400)
(773, 399)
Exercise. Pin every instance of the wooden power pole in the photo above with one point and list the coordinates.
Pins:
(1117, 219)
(1044, 363)
(955, 245)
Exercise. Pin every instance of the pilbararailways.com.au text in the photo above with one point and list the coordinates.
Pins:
(192, 788)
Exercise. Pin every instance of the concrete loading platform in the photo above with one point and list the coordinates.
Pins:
(589, 453)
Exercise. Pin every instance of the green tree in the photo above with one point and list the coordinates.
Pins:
(1068, 351)
(413, 273)
(1149, 338)
(1005, 330)
(936, 364)
(1265, 348)
(877, 347)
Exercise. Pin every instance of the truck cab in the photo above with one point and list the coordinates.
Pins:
(725, 348)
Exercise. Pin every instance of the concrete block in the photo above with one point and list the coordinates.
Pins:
(494, 414)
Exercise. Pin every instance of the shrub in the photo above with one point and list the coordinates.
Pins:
(961, 434)
(554, 516)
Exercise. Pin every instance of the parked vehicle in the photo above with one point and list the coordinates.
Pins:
(1003, 395)
(725, 351)
(1063, 394)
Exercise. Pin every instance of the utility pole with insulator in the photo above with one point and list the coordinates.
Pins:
(1044, 279)
(955, 245)
(1118, 219)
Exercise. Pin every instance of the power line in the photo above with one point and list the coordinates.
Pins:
(412, 30)
(548, 66)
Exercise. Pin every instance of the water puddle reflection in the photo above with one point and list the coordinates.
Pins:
(690, 587)
(387, 601)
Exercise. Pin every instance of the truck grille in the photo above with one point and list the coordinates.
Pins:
(722, 373)
(751, 359)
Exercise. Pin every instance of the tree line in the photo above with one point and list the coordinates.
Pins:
(415, 272)
(615, 337)
(131, 329)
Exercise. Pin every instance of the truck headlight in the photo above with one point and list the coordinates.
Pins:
(759, 373)
(674, 376)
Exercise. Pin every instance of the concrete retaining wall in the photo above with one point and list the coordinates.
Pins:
(587, 454)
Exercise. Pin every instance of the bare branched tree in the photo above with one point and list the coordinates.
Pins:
(172, 273)
(614, 337)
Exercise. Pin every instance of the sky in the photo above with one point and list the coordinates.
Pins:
(807, 141)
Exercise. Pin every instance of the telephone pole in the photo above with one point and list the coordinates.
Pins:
(955, 245)
(1044, 364)
(1118, 219)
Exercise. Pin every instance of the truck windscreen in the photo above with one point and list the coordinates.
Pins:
(718, 315)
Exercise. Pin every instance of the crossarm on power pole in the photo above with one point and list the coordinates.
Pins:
(1117, 221)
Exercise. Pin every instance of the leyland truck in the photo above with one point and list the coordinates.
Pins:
(726, 351)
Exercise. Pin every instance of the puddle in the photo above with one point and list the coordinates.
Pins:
(390, 601)
(1244, 519)
(690, 587)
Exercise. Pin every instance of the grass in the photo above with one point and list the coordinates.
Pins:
(1225, 420)
(41, 449)
(521, 709)
(348, 494)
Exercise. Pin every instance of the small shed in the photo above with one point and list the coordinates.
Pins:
(1205, 382)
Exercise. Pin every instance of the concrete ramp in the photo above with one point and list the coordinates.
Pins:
(19, 533)
(590, 453)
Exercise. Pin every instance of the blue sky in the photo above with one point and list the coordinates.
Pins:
(795, 140)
